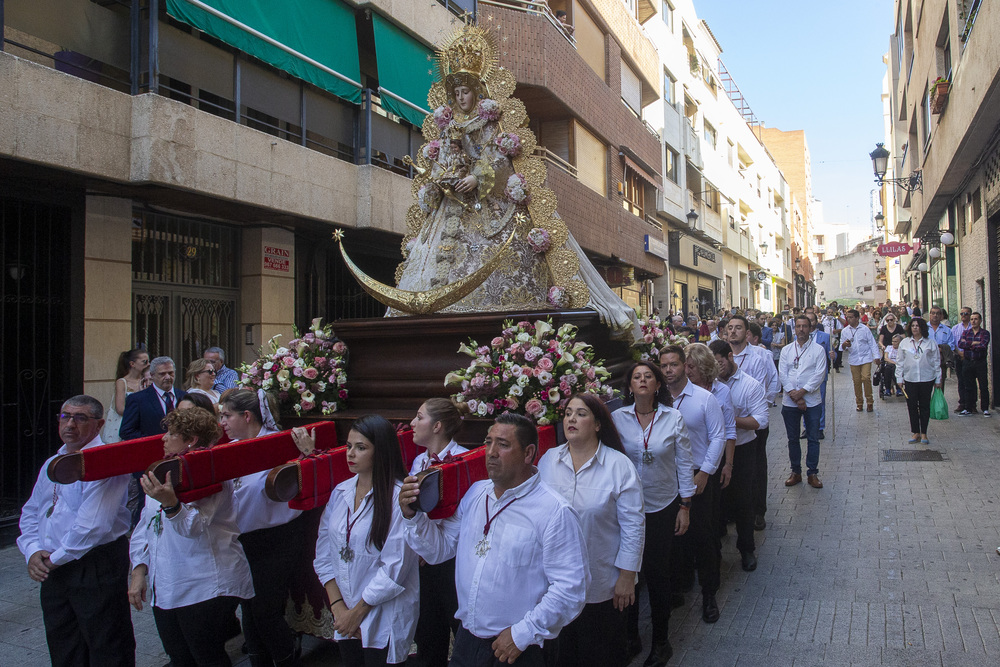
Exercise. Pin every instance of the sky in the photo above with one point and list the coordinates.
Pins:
(817, 66)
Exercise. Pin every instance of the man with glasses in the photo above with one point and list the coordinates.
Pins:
(225, 378)
(957, 332)
(73, 539)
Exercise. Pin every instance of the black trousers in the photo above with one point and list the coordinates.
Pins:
(195, 635)
(656, 573)
(270, 551)
(977, 372)
(740, 494)
(963, 401)
(595, 639)
(85, 609)
(759, 492)
(700, 548)
(353, 654)
(918, 404)
(471, 651)
(438, 604)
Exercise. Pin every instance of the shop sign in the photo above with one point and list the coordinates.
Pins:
(277, 259)
(895, 248)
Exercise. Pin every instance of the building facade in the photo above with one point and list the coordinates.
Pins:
(943, 139)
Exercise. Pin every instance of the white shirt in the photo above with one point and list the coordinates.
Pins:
(388, 580)
(669, 472)
(607, 495)
(758, 363)
(254, 510)
(957, 331)
(721, 393)
(211, 394)
(892, 353)
(802, 368)
(423, 461)
(918, 362)
(748, 401)
(163, 403)
(533, 578)
(863, 349)
(85, 515)
(197, 556)
(705, 425)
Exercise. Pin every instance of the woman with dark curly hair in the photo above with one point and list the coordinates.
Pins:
(918, 371)
(187, 555)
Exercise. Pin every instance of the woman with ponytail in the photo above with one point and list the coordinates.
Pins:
(272, 535)
(128, 380)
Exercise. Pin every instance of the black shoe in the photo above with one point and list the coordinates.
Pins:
(633, 647)
(676, 600)
(822, 435)
(659, 656)
(749, 561)
(709, 608)
(759, 523)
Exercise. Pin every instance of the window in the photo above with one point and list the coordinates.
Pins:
(668, 15)
(711, 136)
(977, 205)
(591, 160)
(925, 118)
(634, 199)
(767, 291)
(631, 89)
(711, 197)
(668, 87)
(732, 153)
(732, 222)
(673, 157)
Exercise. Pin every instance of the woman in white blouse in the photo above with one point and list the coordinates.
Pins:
(199, 379)
(434, 428)
(272, 534)
(656, 441)
(918, 371)
(188, 557)
(593, 474)
(362, 559)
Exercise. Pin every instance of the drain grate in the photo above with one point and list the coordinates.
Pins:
(911, 455)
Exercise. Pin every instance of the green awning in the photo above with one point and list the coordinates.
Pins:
(314, 40)
(405, 71)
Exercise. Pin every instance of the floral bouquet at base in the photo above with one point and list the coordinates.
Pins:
(530, 369)
(655, 337)
(308, 375)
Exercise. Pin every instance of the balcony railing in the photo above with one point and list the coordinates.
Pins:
(553, 159)
(533, 7)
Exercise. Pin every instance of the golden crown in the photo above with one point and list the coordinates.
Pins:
(468, 57)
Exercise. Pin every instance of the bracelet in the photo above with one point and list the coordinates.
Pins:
(172, 508)
(335, 602)
(686, 504)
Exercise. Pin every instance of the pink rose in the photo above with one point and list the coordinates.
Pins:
(546, 364)
(310, 373)
(648, 338)
(497, 342)
(339, 347)
(534, 407)
(288, 361)
(307, 406)
(297, 372)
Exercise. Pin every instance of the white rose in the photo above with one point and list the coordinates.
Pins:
(301, 363)
(545, 377)
(481, 410)
(281, 352)
(523, 381)
(268, 365)
(516, 390)
(523, 337)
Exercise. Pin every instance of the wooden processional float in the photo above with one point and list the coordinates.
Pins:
(304, 482)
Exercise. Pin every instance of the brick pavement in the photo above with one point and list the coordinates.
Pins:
(889, 564)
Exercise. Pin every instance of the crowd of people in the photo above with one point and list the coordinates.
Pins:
(539, 565)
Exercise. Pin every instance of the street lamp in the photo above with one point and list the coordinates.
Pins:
(692, 218)
(947, 238)
(821, 275)
(879, 220)
(763, 247)
(880, 164)
(798, 264)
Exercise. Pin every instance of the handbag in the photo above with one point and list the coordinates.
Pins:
(939, 407)
(877, 378)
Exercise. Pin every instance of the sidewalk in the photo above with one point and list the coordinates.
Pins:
(892, 563)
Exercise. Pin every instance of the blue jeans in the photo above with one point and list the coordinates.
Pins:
(793, 422)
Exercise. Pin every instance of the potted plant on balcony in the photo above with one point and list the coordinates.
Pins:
(939, 94)
(695, 64)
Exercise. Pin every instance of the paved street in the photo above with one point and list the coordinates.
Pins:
(890, 564)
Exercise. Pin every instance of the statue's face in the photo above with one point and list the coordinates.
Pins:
(465, 98)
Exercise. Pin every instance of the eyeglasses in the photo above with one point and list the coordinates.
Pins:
(78, 419)
(209, 371)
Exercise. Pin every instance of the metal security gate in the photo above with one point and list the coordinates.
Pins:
(41, 292)
(185, 283)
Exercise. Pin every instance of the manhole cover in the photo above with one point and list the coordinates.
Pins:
(911, 455)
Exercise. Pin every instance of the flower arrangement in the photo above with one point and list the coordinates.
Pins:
(308, 374)
(517, 189)
(432, 149)
(509, 144)
(655, 337)
(558, 297)
(488, 109)
(442, 116)
(428, 197)
(530, 369)
(539, 240)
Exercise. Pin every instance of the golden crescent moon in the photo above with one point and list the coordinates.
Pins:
(431, 301)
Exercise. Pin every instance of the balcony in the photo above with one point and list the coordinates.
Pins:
(692, 146)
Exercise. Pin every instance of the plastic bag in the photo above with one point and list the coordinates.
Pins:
(939, 407)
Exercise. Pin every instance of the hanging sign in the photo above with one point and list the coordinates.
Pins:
(894, 249)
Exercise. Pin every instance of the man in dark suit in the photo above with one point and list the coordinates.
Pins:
(144, 410)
